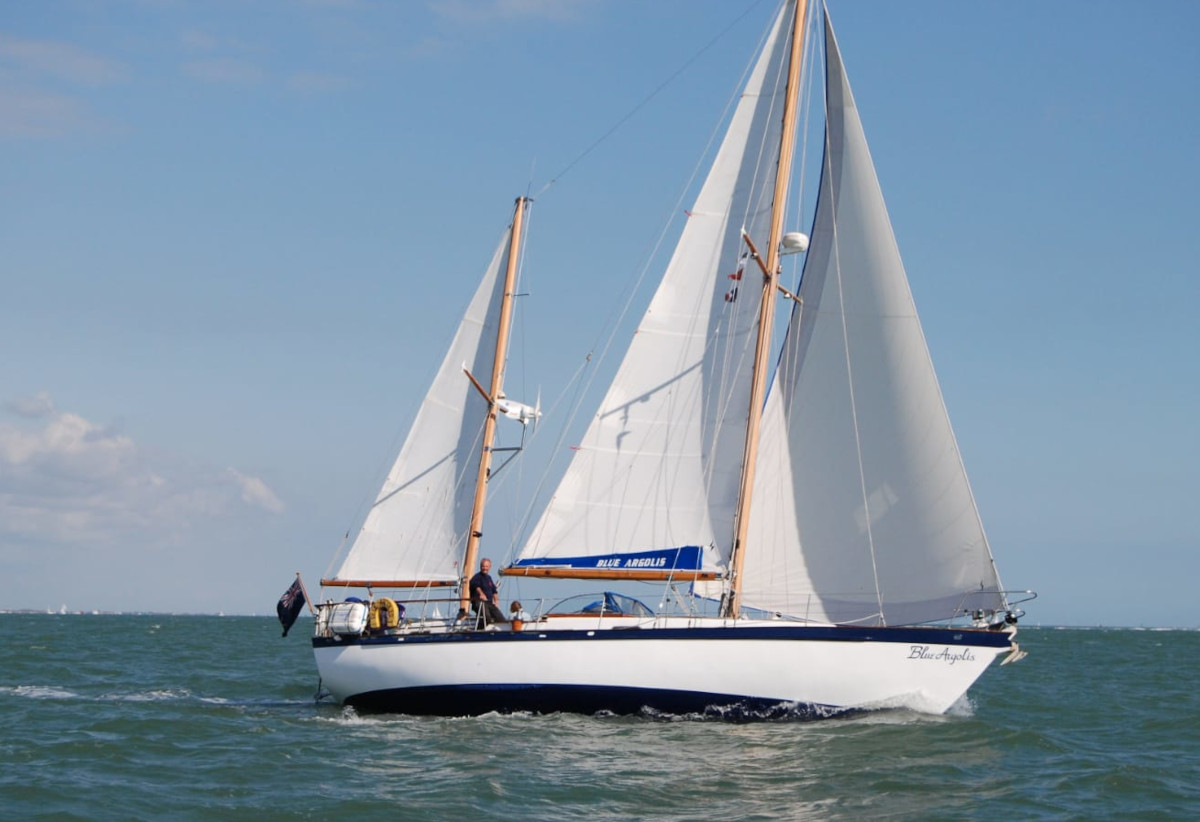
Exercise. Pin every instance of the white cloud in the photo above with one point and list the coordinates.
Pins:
(311, 82)
(228, 70)
(60, 61)
(256, 492)
(34, 113)
(201, 40)
(482, 11)
(198, 40)
(37, 78)
(337, 4)
(39, 405)
(71, 482)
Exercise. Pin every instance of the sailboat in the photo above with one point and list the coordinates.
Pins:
(804, 506)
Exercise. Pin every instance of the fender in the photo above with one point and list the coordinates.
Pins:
(385, 613)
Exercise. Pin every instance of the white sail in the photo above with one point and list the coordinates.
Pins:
(417, 528)
(872, 486)
(659, 466)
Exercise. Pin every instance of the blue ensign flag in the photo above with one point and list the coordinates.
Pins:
(289, 606)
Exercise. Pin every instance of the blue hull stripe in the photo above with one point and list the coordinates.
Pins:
(908, 635)
(472, 700)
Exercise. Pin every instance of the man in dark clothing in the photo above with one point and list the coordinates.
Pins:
(485, 595)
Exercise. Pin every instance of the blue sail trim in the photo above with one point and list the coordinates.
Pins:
(685, 558)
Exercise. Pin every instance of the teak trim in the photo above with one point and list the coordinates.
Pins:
(607, 573)
(387, 583)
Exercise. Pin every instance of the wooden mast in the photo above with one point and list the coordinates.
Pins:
(489, 425)
(766, 316)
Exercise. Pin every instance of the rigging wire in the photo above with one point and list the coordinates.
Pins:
(646, 100)
(729, 365)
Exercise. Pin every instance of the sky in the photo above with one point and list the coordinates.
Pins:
(236, 235)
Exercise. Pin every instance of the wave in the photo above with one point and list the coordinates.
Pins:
(39, 692)
(166, 695)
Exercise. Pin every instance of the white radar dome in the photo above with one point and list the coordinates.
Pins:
(794, 242)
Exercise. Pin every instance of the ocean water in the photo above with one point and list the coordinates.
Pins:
(191, 717)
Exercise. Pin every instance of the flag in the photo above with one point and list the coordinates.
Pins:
(289, 606)
(732, 294)
(741, 267)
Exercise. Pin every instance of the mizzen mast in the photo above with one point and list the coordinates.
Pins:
(766, 317)
(470, 556)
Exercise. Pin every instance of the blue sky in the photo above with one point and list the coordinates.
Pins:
(234, 237)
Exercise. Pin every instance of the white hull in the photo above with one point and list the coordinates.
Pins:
(753, 668)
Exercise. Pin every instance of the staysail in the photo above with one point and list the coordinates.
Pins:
(861, 470)
(416, 531)
(656, 475)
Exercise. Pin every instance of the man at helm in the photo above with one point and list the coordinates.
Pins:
(485, 596)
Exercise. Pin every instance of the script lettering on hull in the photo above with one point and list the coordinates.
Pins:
(946, 655)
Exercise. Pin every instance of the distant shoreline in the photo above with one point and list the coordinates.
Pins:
(60, 612)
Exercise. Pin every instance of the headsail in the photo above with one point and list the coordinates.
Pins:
(659, 466)
(417, 528)
(872, 485)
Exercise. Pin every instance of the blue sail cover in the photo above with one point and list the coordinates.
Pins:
(685, 558)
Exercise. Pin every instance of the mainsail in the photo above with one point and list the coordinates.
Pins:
(656, 475)
(416, 530)
(867, 514)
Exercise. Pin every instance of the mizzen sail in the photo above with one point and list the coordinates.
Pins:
(417, 528)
